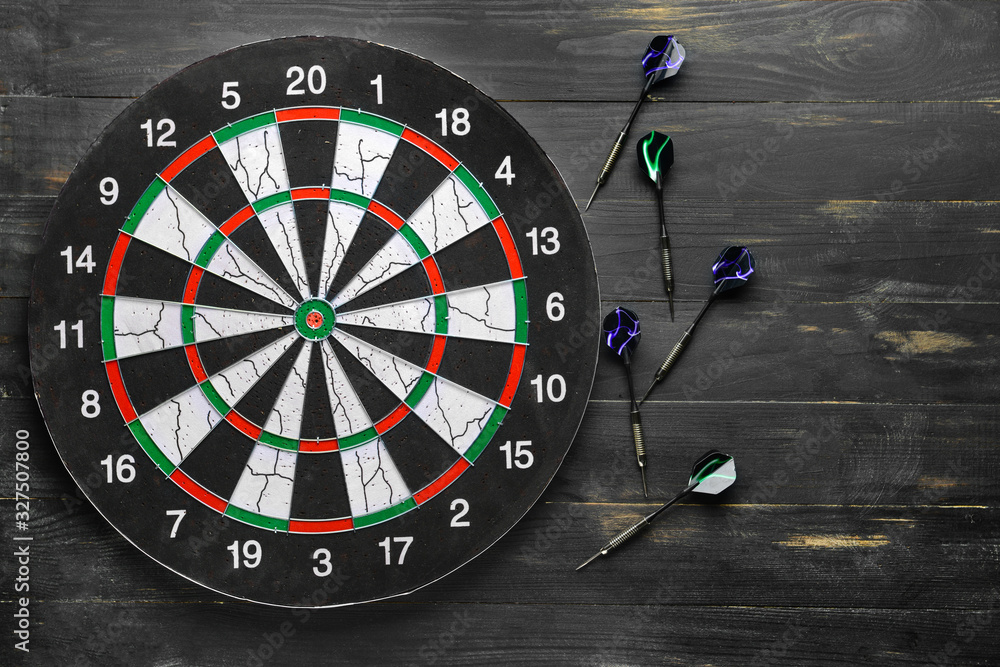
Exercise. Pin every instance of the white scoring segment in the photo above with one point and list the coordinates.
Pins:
(449, 214)
(230, 263)
(265, 487)
(257, 162)
(283, 231)
(455, 413)
(361, 157)
(394, 257)
(178, 425)
(349, 415)
(286, 415)
(174, 225)
(399, 375)
(342, 222)
(212, 323)
(488, 312)
(144, 325)
(417, 315)
(373, 481)
(234, 382)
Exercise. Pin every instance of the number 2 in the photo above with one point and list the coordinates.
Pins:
(462, 505)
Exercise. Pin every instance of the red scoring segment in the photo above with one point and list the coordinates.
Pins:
(187, 157)
(307, 113)
(428, 146)
(198, 491)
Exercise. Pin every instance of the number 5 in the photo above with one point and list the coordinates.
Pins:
(230, 98)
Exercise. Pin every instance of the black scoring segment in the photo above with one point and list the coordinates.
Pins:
(209, 185)
(317, 415)
(256, 405)
(309, 147)
(219, 293)
(420, 454)
(413, 347)
(320, 491)
(217, 463)
(372, 234)
(154, 378)
(409, 284)
(251, 238)
(376, 398)
(221, 353)
(478, 365)
(312, 215)
(477, 259)
(143, 260)
(410, 177)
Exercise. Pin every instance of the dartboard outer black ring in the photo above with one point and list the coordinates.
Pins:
(314, 322)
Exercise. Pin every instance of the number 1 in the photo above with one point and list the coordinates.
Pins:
(377, 82)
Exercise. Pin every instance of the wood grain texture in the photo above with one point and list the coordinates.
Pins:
(852, 145)
(548, 50)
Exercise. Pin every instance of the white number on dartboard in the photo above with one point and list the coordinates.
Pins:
(504, 171)
(84, 261)
(387, 545)
(180, 514)
(462, 505)
(315, 79)
(61, 328)
(518, 454)
(90, 404)
(122, 470)
(325, 566)
(165, 126)
(377, 82)
(555, 388)
(109, 191)
(251, 554)
(459, 121)
(549, 244)
(230, 98)
(554, 307)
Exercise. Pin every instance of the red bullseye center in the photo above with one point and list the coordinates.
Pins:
(314, 320)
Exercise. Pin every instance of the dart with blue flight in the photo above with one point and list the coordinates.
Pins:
(621, 335)
(712, 474)
(732, 269)
(656, 155)
(661, 61)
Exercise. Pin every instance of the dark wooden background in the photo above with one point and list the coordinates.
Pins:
(853, 145)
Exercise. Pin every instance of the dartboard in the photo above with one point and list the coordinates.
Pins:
(314, 322)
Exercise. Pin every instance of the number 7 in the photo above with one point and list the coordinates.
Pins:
(180, 514)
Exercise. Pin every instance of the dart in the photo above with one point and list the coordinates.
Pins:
(732, 269)
(656, 154)
(621, 335)
(712, 474)
(661, 61)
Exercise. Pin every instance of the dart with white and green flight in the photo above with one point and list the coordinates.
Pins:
(656, 154)
(712, 474)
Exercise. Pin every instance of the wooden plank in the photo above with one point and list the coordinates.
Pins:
(117, 633)
(915, 455)
(549, 49)
(833, 556)
(760, 350)
(856, 251)
(772, 152)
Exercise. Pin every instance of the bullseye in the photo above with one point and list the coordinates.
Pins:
(314, 320)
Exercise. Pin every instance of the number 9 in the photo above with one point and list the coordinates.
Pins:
(109, 188)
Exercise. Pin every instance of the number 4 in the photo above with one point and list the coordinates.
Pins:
(504, 172)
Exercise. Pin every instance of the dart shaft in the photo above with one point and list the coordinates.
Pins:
(671, 359)
(624, 536)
